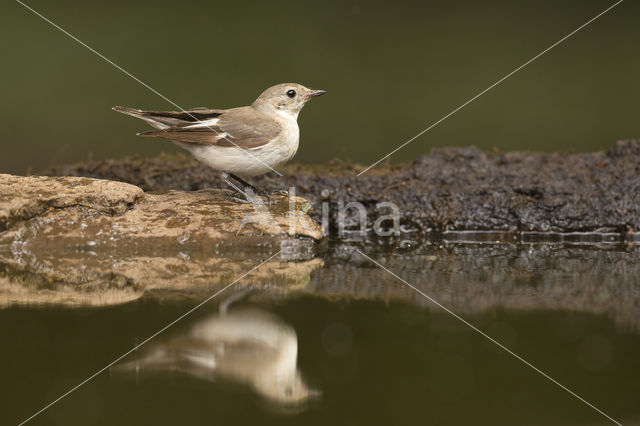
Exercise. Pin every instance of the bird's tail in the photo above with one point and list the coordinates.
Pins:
(150, 134)
(143, 115)
(156, 359)
(129, 111)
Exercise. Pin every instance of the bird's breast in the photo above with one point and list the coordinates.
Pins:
(288, 140)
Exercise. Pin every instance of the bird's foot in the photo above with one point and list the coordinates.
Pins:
(251, 194)
(245, 201)
(251, 197)
(256, 201)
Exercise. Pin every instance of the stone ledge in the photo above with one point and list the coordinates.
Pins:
(64, 211)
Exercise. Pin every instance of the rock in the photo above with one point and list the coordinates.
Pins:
(87, 241)
(85, 211)
(23, 198)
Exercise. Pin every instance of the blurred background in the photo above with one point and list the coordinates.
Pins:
(391, 69)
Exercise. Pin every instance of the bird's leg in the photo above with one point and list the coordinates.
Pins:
(246, 184)
(238, 295)
(225, 178)
(248, 192)
(257, 190)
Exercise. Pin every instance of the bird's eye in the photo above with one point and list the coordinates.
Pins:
(291, 93)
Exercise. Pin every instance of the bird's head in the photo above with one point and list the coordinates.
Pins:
(286, 391)
(286, 97)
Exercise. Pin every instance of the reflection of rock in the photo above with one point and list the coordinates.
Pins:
(67, 240)
(470, 279)
(247, 346)
(20, 288)
(106, 277)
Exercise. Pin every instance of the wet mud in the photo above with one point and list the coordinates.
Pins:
(447, 190)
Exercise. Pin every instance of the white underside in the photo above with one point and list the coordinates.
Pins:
(254, 161)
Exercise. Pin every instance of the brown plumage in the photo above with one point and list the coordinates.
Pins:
(243, 127)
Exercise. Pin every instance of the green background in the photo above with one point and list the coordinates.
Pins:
(391, 69)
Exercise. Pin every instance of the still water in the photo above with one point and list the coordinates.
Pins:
(348, 344)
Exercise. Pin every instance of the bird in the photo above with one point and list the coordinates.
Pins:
(239, 142)
(249, 346)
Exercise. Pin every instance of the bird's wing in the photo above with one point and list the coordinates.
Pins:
(243, 127)
(165, 119)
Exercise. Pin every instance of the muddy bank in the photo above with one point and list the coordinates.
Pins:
(450, 189)
(80, 241)
(524, 198)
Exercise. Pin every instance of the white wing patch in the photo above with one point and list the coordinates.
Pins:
(204, 361)
(205, 123)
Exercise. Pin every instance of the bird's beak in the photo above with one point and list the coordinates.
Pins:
(314, 93)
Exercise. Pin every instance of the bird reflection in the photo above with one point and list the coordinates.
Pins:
(248, 346)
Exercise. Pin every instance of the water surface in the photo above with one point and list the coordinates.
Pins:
(369, 349)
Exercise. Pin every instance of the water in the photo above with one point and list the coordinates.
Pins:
(332, 339)
(370, 350)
